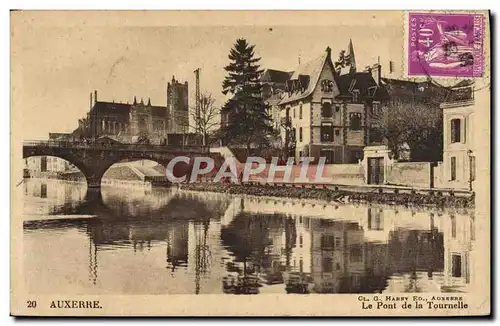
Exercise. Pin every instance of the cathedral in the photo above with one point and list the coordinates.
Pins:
(139, 120)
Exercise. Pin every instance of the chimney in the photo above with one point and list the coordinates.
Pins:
(95, 96)
(91, 103)
(376, 72)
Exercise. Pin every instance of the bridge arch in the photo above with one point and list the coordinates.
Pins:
(142, 169)
(95, 159)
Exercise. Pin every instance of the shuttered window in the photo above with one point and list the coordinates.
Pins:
(455, 130)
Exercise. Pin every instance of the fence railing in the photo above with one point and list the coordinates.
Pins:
(117, 146)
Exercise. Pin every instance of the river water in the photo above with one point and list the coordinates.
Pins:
(135, 240)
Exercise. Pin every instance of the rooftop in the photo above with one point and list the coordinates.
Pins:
(307, 73)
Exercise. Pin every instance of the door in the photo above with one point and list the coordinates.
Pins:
(376, 170)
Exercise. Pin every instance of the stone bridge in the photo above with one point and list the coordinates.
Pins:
(94, 159)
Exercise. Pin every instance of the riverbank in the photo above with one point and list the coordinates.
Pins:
(392, 198)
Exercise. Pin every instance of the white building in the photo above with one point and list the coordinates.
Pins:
(459, 164)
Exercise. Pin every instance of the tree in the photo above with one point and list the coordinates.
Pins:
(247, 117)
(419, 125)
(206, 121)
(343, 61)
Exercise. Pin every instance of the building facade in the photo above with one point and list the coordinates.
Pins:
(330, 111)
(459, 163)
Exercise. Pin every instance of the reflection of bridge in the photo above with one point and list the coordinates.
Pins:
(95, 158)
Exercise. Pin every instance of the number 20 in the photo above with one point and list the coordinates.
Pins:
(31, 304)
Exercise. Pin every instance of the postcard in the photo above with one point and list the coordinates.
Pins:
(250, 163)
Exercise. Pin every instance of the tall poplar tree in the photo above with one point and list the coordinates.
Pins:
(247, 115)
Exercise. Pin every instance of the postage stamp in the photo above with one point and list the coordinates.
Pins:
(442, 44)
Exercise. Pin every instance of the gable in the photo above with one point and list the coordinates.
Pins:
(326, 85)
(305, 78)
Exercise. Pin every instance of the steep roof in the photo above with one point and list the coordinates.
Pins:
(424, 90)
(313, 70)
(464, 83)
(111, 108)
(275, 76)
(362, 81)
(124, 109)
(461, 93)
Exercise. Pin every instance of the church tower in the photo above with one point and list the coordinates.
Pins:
(177, 106)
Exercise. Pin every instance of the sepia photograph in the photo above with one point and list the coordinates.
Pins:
(259, 163)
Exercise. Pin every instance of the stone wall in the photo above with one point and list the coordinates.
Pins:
(348, 174)
(411, 174)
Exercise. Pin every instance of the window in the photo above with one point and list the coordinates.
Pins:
(326, 86)
(356, 253)
(376, 108)
(326, 133)
(301, 241)
(355, 121)
(326, 110)
(453, 168)
(455, 130)
(300, 134)
(300, 111)
(327, 242)
(337, 107)
(355, 96)
(472, 227)
(472, 168)
(327, 265)
(43, 190)
(456, 265)
(375, 219)
(337, 132)
(453, 226)
(294, 112)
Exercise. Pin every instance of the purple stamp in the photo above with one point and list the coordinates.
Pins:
(441, 44)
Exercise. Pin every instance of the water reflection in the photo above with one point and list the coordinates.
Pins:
(166, 241)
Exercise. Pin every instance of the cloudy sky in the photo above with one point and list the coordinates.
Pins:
(59, 58)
